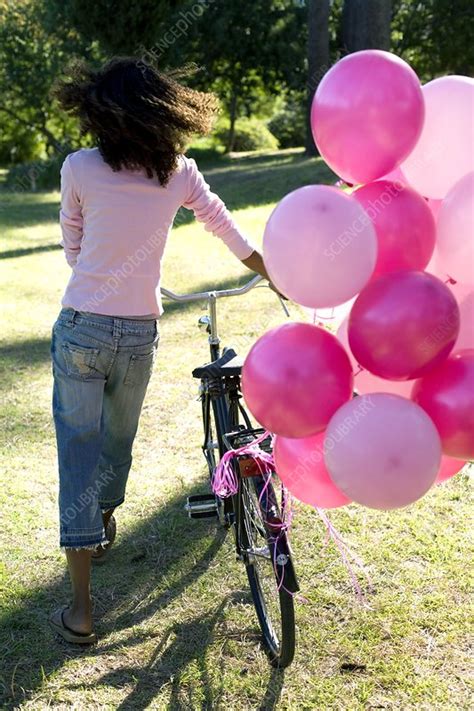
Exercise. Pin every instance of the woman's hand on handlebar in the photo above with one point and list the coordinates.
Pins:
(255, 263)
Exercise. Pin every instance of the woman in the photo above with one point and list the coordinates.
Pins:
(118, 202)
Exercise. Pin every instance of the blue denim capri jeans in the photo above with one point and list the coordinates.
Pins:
(101, 369)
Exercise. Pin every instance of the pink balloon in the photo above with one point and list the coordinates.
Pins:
(300, 466)
(444, 152)
(455, 243)
(365, 382)
(382, 451)
(294, 379)
(404, 225)
(449, 468)
(403, 324)
(319, 246)
(367, 115)
(447, 395)
(434, 206)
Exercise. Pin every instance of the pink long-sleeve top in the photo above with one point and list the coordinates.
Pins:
(115, 226)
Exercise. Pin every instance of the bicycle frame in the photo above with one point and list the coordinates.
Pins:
(258, 528)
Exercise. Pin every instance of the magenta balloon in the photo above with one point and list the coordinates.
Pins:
(403, 324)
(294, 379)
(367, 115)
(382, 451)
(447, 395)
(455, 243)
(404, 224)
(319, 246)
(444, 152)
(449, 468)
(300, 466)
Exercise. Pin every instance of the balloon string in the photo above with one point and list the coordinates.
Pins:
(348, 557)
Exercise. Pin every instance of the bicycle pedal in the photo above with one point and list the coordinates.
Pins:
(201, 506)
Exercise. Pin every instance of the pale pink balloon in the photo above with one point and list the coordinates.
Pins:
(396, 176)
(455, 242)
(366, 382)
(294, 379)
(466, 331)
(319, 246)
(382, 451)
(403, 324)
(332, 317)
(447, 395)
(444, 152)
(300, 466)
(367, 115)
(404, 225)
(449, 468)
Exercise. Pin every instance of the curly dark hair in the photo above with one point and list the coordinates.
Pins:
(139, 116)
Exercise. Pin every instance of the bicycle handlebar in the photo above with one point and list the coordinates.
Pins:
(200, 295)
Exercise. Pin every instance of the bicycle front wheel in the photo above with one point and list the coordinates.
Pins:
(261, 551)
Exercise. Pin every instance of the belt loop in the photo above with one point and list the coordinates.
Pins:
(117, 328)
(73, 317)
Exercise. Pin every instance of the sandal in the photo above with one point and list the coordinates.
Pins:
(57, 624)
(99, 555)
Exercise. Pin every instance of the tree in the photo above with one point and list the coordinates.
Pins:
(244, 50)
(318, 57)
(120, 26)
(366, 24)
(30, 59)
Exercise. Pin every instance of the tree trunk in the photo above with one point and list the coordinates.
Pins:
(318, 58)
(233, 118)
(366, 24)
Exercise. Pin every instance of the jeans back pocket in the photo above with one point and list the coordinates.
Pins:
(140, 368)
(80, 361)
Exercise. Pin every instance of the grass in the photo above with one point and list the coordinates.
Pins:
(175, 624)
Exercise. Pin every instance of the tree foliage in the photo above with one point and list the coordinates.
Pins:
(31, 56)
(435, 36)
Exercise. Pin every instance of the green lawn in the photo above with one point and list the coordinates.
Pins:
(176, 628)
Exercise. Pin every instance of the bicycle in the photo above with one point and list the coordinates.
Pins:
(253, 512)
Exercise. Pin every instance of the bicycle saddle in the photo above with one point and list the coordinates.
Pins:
(228, 364)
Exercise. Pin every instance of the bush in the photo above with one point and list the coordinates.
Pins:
(289, 125)
(250, 135)
(36, 175)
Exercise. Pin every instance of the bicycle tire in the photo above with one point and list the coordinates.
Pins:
(279, 645)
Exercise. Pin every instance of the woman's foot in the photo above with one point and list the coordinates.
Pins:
(73, 625)
(101, 552)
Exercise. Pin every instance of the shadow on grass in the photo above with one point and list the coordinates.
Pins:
(153, 564)
(21, 355)
(25, 251)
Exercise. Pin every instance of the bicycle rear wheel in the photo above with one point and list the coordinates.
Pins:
(266, 558)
